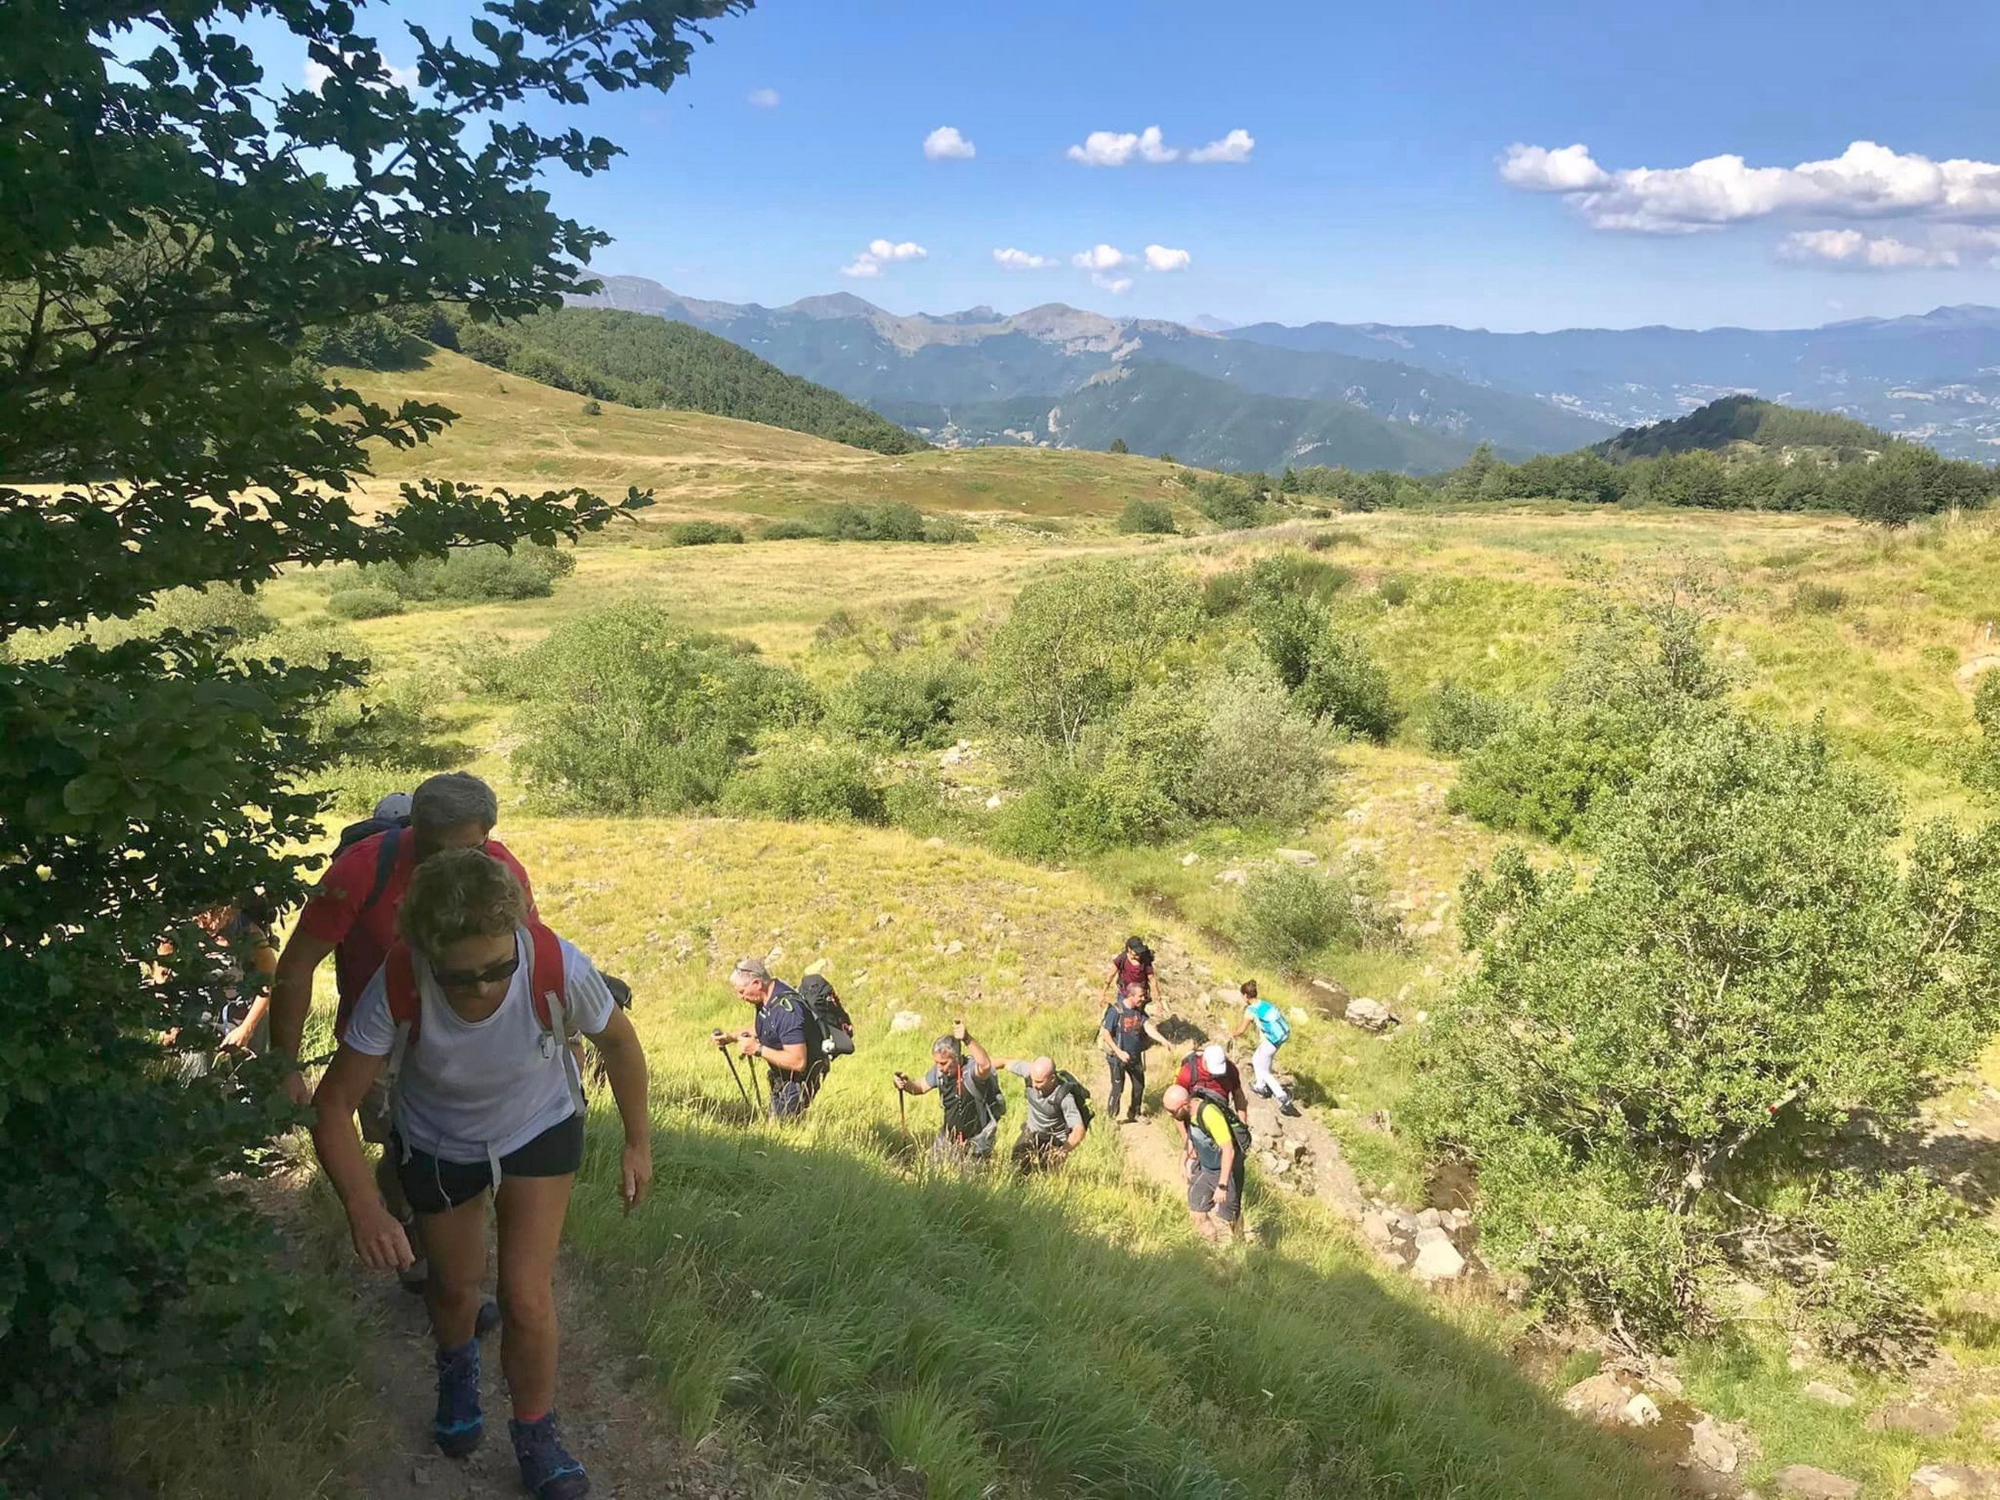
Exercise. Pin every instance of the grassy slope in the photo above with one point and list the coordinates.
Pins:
(513, 431)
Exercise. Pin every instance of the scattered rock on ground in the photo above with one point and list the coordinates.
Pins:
(1296, 856)
(906, 1020)
(1710, 1446)
(1437, 1257)
(1953, 1482)
(1190, 858)
(1832, 1395)
(1233, 877)
(1641, 1411)
(1914, 1418)
(1369, 1015)
(1804, 1482)
(1598, 1398)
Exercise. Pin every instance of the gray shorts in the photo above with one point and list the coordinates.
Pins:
(1201, 1192)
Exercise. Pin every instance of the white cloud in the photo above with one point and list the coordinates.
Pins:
(946, 144)
(318, 73)
(1236, 146)
(1011, 259)
(1865, 181)
(1113, 284)
(764, 98)
(1108, 148)
(1160, 258)
(1100, 258)
(869, 263)
(1850, 247)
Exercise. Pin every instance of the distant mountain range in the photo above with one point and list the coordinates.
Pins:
(1362, 395)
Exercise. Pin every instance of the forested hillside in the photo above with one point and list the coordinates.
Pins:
(1747, 419)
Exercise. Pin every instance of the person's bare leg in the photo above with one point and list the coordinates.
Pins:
(455, 1241)
(531, 1212)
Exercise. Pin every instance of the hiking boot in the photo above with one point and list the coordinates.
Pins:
(546, 1466)
(1260, 1091)
(488, 1319)
(1289, 1108)
(459, 1425)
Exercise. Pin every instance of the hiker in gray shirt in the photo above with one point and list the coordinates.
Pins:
(1058, 1114)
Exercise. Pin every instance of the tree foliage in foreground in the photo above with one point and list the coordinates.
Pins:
(171, 228)
(1651, 1057)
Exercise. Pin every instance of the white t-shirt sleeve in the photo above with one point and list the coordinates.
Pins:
(589, 997)
(369, 1028)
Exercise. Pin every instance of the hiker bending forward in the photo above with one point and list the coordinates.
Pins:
(961, 1074)
(1055, 1125)
(1214, 1164)
(785, 1036)
(472, 1013)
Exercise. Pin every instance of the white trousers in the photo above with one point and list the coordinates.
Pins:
(1260, 1064)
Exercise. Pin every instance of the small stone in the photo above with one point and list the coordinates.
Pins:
(1430, 1218)
(1430, 929)
(1295, 856)
(1914, 1418)
(1832, 1395)
(1190, 859)
(1378, 1229)
(1422, 1017)
(1641, 1411)
(933, 842)
(906, 1020)
(993, 802)
(952, 757)
(1233, 877)
(1600, 1398)
(1710, 1446)
(1437, 1257)
(953, 948)
(1742, 1298)
(883, 919)
(1660, 1374)
(1953, 1482)
(1369, 1015)
(1804, 1482)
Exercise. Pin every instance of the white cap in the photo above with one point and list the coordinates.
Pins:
(1215, 1057)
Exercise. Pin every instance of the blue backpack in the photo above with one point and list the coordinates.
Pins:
(1271, 1021)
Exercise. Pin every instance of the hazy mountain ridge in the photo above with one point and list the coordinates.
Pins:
(1931, 377)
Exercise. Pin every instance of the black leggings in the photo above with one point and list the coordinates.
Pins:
(434, 1186)
(1135, 1070)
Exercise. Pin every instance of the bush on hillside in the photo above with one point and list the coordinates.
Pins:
(1330, 673)
(789, 529)
(1075, 646)
(364, 603)
(1228, 501)
(1289, 913)
(807, 779)
(1146, 518)
(701, 534)
(1459, 719)
(1983, 763)
(910, 705)
(1261, 762)
(1662, 1042)
(471, 575)
(626, 712)
(1809, 598)
(1295, 574)
(216, 607)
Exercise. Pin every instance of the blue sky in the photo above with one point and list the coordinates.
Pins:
(1379, 186)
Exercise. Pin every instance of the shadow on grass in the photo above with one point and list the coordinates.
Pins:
(826, 1291)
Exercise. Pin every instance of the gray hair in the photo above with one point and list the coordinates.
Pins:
(451, 799)
(750, 968)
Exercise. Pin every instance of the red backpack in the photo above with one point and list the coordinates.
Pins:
(547, 987)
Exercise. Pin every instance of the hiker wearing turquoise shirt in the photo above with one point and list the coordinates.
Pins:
(1273, 1031)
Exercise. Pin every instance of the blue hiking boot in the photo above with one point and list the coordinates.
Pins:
(459, 1425)
(546, 1466)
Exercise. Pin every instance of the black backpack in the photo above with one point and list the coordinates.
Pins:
(836, 1026)
(1080, 1091)
(1203, 1094)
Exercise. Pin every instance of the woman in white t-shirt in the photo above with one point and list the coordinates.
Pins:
(486, 1095)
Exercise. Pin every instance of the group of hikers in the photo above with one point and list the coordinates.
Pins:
(458, 1031)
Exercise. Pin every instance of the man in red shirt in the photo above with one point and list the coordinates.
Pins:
(352, 915)
(1209, 1067)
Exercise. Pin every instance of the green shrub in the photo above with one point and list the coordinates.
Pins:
(1293, 574)
(1261, 761)
(626, 712)
(1460, 719)
(1818, 599)
(1330, 673)
(364, 603)
(470, 575)
(1748, 965)
(808, 780)
(897, 521)
(701, 534)
(1394, 590)
(910, 705)
(1227, 501)
(1288, 913)
(592, 409)
(948, 530)
(217, 607)
(789, 529)
(1146, 518)
(1223, 594)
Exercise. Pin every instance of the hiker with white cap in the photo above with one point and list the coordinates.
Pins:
(785, 1036)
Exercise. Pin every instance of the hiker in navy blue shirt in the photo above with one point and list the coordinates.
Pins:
(785, 1037)
(1125, 1034)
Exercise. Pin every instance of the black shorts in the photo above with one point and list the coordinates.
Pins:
(433, 1186)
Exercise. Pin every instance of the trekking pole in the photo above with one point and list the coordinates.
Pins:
(736, 1075)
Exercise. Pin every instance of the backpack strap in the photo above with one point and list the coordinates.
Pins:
(549, 989)
(406, 1012)
(385, 866)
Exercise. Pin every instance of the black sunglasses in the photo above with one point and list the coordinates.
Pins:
(465, 979)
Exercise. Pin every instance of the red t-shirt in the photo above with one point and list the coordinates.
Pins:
(1227, 1083)
(1131, 971)
(333, 912)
